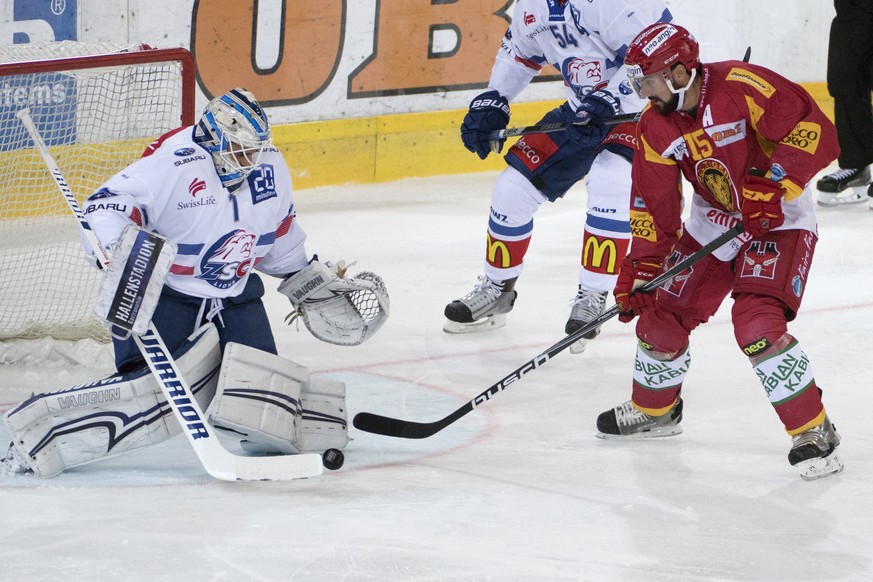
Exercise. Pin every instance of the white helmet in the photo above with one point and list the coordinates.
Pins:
(235, 130)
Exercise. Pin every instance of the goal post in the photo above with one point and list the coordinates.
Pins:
(97, 107)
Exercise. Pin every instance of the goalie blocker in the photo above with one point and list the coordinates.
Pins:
(336, 309)
(132, 285)
(268, 401)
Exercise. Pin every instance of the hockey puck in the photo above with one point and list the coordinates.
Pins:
(333, 459)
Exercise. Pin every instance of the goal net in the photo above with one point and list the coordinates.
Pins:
(97, 106)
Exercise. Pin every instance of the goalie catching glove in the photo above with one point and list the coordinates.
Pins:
(336, 309)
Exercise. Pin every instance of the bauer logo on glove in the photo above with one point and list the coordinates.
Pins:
(337, 309)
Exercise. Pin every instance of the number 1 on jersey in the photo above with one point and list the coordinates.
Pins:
(235, 203)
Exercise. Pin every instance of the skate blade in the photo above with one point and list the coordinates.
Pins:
(665, 431)
(13, 470)
(853, 195)
(819, 467)
(579, 346)
(486, 324)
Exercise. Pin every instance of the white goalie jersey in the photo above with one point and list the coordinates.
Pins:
(175, 191)
(584, 40)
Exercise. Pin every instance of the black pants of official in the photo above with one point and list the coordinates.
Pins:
(850, 80)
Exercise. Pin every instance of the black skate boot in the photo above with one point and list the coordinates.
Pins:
(585, 307)
(813, 451)
(628, 422)
(845, 186)
(485, 307)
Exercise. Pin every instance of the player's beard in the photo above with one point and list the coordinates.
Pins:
(665, 107)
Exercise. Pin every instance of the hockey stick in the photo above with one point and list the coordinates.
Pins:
(375, 423)
(218, 461)
(558, 126)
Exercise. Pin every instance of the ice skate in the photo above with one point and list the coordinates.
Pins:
(483, 308)
(870, 197)
(627, 422)
(584, 308)
(13, 464)
(813, 452)
(845, 186)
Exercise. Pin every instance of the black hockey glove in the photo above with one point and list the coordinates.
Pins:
(488, 112)
(597, 106)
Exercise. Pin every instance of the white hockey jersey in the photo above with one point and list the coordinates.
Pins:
(585, 40)
(175, 191)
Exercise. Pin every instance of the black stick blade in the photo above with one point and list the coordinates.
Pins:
(394, 427)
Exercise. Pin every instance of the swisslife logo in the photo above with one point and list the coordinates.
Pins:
(196, 186)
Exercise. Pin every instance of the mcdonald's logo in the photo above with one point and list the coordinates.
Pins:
(498, 248)
(601, 255)
(505, 254)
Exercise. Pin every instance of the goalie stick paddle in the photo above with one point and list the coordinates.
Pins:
(395, 427)
(218, 461)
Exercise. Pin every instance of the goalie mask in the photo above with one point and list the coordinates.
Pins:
(235, 130)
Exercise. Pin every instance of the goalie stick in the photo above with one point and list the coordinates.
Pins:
(395, 427)
(560, 126)
(218, 461)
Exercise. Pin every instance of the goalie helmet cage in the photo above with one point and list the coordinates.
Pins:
(97, 106)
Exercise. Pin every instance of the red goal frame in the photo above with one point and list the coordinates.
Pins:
(147, 55)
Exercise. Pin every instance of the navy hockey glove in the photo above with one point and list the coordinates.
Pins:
(488, 112)
(597, 106)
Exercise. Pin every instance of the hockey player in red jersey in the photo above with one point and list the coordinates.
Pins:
(749, 141)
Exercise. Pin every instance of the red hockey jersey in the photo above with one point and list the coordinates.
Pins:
(747, 117)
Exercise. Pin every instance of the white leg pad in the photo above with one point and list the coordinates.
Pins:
(275, 407)
(54, 431)
(325, 424)
(258, 399)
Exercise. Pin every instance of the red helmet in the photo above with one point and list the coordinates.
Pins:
(660, 46)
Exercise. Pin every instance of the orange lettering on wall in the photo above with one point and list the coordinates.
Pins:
(223, 41)
(406, 59)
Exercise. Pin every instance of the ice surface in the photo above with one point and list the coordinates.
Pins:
(519, 489)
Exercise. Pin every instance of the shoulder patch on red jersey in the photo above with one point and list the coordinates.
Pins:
(805, 137)
(752, 80)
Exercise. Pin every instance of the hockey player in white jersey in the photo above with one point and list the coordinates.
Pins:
(220, 193)
(585, 40)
